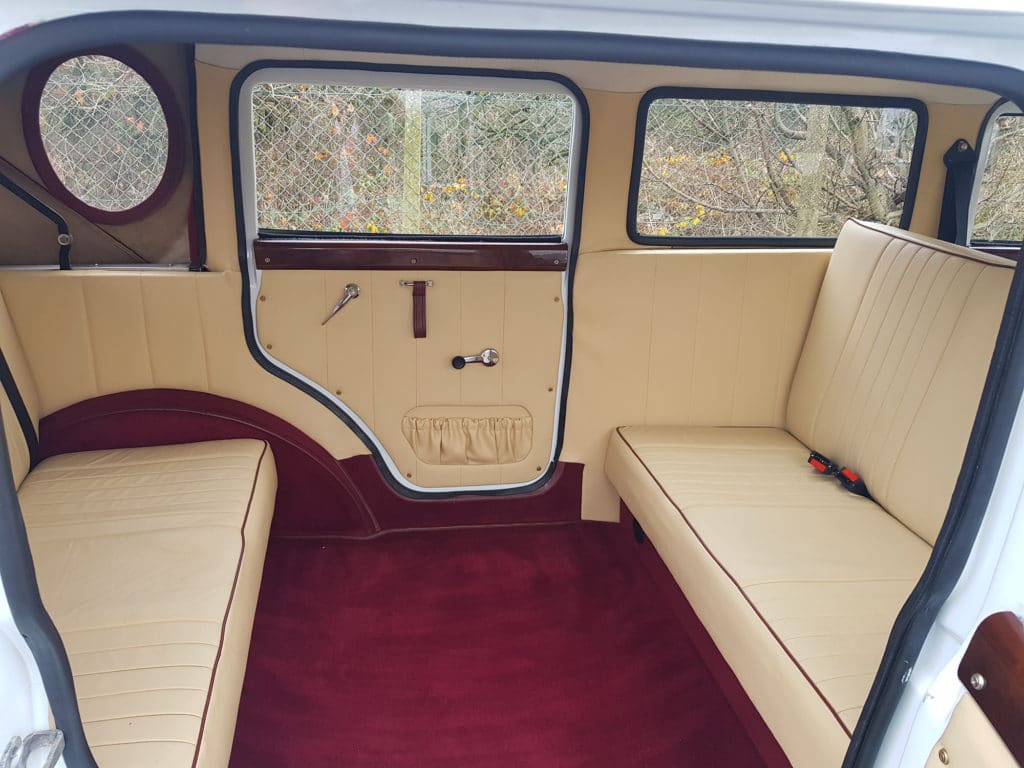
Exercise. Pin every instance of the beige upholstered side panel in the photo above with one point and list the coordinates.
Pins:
(682, 337)
(895, 360)
(970, 741)
(946, 124)
(94, 332)
(367, 355)
(14, 354)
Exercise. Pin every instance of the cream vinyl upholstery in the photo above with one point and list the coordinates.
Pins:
(797, 580)
(368, 357)
(88, 333)
(144, 557)
(149, 562)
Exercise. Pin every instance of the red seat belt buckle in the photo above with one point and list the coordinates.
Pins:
(822, 464)
(852, 482)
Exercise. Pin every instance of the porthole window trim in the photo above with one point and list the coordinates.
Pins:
(173, 170)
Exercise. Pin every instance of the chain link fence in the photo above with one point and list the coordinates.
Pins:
(104, 132)
(999, 215)
(337, 158)
(722, 168)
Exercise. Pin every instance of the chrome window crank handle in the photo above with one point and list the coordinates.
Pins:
(351, 292)
(489, 357)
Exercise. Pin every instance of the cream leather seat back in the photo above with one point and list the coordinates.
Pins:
(894, 363)
(21, 378)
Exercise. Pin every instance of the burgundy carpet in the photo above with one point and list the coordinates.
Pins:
(535, 646)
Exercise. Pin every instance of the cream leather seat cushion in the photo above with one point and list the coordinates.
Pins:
(149, 562)
(821, 572)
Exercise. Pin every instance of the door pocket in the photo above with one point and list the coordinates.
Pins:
(469, 434)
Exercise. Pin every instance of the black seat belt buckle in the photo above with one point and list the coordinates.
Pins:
(822, 464)
(852, 482)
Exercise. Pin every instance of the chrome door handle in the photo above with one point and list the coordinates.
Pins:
(488, 357)
(351, 292)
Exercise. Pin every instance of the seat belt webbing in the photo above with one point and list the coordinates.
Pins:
(961, 160)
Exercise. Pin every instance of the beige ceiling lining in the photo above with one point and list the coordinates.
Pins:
(619, 77)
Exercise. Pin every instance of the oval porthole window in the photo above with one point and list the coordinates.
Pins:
(103, 135)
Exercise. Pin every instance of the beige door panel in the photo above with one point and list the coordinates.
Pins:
(367, 357)
(96, 332)
(687, 337)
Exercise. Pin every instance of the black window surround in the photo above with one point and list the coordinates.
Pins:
(791, 97)
(1011, 247)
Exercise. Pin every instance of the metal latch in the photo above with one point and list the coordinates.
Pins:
(17, 753)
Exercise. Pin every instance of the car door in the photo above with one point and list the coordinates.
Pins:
(408, 235)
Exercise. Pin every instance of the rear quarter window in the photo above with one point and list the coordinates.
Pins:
(999, 205)
(740, 167)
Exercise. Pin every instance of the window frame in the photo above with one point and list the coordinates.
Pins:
(174, 169)
(1002, 108)
(791, 97)
(396, 76)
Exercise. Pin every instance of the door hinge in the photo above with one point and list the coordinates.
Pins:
(19, 750)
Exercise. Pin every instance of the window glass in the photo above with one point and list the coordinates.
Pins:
(380, 160)
(744, 168)
(999, 211)
(104, 132)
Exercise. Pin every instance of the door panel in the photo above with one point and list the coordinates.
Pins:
(367, 357)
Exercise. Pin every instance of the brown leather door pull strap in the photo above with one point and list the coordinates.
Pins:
(419, 305)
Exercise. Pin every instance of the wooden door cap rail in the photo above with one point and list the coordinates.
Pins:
(410, 254)
(992, 670)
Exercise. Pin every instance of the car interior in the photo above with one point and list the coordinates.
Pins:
(380, 409)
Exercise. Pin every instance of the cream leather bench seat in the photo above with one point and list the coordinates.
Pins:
(149, 562)
(797, 580)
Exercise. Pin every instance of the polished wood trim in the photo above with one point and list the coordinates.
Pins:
(996, 652)
(411, 254)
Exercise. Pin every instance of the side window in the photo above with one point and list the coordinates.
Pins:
(751, 167)
(386, 159)
(104, 154)
(101, 136)
(999, 201)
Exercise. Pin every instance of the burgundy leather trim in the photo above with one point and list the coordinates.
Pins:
(227, 608)
(173, 170)
(317, 495)
(739, 588)
(314, 491)
(419, 309)
(410, 254)
(996, 653)
(559, 500)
